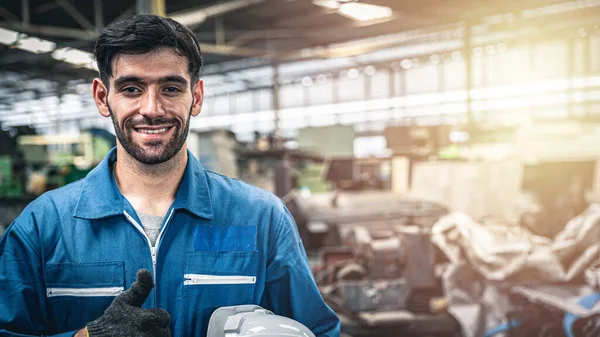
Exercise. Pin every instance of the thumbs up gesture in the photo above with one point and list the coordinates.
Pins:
(126, 317)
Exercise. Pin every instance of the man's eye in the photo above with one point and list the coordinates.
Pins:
(172, 89)
(130, 90)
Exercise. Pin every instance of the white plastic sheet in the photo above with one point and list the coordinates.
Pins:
(488, 260)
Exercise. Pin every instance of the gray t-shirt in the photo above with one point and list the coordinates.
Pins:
(151, 224)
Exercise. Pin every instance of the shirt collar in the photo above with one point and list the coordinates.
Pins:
(100, 196)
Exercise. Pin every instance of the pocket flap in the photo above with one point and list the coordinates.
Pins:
(225, 238)
(85, 275)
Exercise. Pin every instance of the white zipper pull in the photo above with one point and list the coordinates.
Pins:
(153, 252)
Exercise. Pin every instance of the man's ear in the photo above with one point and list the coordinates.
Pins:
(198, 93)
(100, 93)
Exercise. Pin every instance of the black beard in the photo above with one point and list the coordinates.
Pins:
(171, 148)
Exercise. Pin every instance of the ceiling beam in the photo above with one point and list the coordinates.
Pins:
(76, 15)
(227, 50)
(126, 14)
(47, 7)
(91, 35)
(54, 31)
(8, 15)
(197, 16)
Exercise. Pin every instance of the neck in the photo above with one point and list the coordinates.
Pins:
(149, 188)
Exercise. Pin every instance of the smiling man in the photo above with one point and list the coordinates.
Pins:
(149, 243)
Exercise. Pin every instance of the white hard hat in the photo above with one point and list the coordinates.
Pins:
(253, 321)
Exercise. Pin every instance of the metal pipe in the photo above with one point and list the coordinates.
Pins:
(157, 7)
(219, 31)
(468, 71)
(143, 7)
(25, 12)
(98, 15)
(276, 103)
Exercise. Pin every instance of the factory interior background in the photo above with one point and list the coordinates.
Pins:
(440, 157)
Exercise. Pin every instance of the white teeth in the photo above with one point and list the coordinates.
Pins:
(153, 131)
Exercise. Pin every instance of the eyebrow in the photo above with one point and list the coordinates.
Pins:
(174, 79)
(135, 79)
(127, 79)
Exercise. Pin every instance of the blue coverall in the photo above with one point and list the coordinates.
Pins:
(223, 242)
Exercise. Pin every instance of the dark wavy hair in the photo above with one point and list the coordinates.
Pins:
(142, 34)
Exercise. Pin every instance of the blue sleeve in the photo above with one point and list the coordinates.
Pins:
(23, 305)
(290, 289)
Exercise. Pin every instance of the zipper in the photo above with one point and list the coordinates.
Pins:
(141, 230)
(84, 292)
(161, 233)
(157, 245)
(153, 250)
(196, 279)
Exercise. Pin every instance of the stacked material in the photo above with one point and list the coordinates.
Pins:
(491, 260)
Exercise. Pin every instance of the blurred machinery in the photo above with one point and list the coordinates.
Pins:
(551, 311)
(375, 263)
(277, 168)
(32, 164)
(215, 150)
(413, 140)
(372, 256)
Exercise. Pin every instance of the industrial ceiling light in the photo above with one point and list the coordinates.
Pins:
(198, 16)
(356, 10)
(76, 57)
(8, 37)
(369, 70)
(40, 46)
(364, 12)
(353, 73)
(35, 45)
(190, 18)
(331, 4)
(73, 56)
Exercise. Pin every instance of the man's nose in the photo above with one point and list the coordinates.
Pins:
(150, 105)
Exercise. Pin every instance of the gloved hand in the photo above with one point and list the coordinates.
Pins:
(125, 316)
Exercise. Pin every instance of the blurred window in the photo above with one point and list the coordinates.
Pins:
(291, 96)
(243, 102)
(595, 53)
(550, 60)
(320, 93)
(221, 105)
(263, 100)
(399, 83)
(380, 84)
(351, 89)
(422, 79)
(454, 75)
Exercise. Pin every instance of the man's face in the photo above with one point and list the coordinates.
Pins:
(150, 101)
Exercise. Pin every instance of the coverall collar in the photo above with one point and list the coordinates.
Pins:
(100, 196)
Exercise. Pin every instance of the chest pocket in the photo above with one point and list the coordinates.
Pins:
(80, 292)
(213, 280)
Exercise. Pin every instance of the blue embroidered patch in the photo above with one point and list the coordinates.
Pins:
(224, 238)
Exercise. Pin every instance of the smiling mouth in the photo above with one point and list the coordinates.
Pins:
(153, 131)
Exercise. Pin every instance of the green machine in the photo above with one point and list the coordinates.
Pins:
(47, 162)
(10, 186)
(35, 164)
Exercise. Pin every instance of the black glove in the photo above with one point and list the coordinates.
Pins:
(125, 317)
